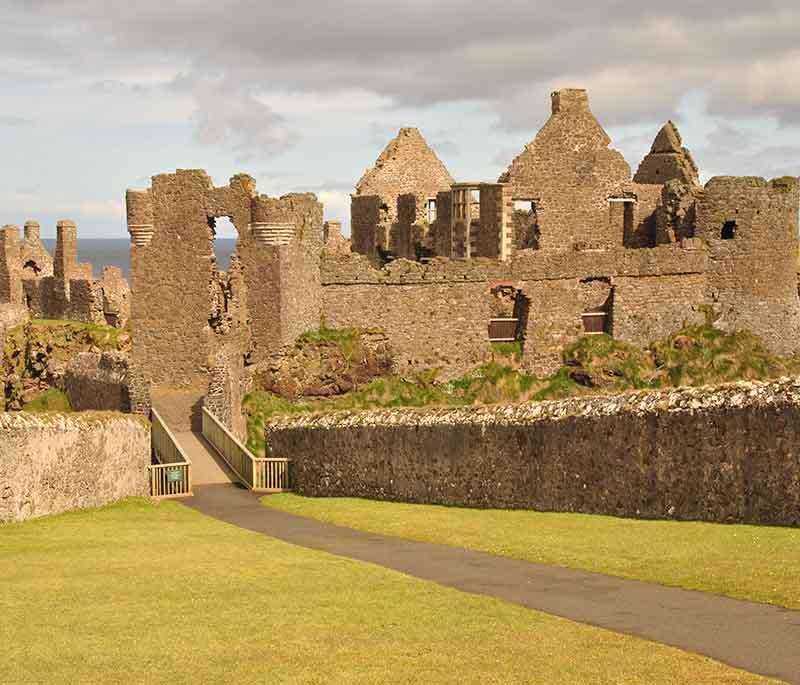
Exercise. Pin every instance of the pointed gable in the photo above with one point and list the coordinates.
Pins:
(668, 160)
(406, 165)
(570, 172)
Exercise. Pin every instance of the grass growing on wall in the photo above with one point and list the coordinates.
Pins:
(49, 400)
(598, 364)
(158, 593)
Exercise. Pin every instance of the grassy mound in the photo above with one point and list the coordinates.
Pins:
(598, 364)
(36, 354)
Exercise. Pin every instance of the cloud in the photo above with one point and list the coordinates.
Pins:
(232, 116)
(731, 150)
(14, 121)
(638, 58)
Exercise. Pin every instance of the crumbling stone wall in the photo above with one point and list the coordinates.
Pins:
(569, 170)
(36, 260)
(437, 315)
(668, 160)
(750, 227)
(640, 455)
(188, 319)
(60, 288)
(406, 166)
(55, 463)
(98, 381)
(10, 266)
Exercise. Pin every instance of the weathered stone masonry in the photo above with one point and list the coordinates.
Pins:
(59, 287)
(566, 235)
(194, 326)
(727, 455)
(50, 464)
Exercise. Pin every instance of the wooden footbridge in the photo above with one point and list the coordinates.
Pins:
(192, 447)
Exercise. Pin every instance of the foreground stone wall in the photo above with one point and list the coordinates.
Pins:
(728, 454)
(55, 463)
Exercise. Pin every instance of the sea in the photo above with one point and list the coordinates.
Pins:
(100, 252)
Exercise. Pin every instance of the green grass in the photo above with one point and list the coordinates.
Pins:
(145, 593)
(49, 400)
(747, 562)
(344, 338)
(599, 364)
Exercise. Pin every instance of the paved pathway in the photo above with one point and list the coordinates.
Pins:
(180, 410)
(755, 637)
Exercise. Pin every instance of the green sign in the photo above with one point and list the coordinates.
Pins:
(175, 475)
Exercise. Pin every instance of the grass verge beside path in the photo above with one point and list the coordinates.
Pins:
(746, 562)
(150, 593)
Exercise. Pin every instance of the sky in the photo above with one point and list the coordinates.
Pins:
(96, 96)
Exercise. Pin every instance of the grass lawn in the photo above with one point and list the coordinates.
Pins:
(139, 593)
(748, 562)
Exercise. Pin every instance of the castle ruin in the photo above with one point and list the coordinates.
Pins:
(58, 287)
(567, 242)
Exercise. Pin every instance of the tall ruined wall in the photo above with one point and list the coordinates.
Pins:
(437, 315)
(750, 227)
(406, 166)
(369, 224)
(442, 229)
(186, 314)
(569, 170)
(643, 455)
(36, 260)
(179, 304)
(281, 271)
(10, 266)
(55, 463)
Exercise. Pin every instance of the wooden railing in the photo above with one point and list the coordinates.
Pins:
(258, 474)
(172, 475)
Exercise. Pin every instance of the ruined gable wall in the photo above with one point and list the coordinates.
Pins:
(753, 276)
(36, 260)
(406, 166)
(571, 171)
(668, 160)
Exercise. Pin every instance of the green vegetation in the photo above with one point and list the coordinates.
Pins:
(695, 355)
(747, 562)
(139, 592)
(344, 338)
(49, 400)
(35, 354)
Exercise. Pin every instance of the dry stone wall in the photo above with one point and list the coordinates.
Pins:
(726, 455)
(55, 463)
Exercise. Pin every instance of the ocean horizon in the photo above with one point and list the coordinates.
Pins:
(100, 252)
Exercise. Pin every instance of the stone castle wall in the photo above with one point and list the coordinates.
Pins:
(55, 463)
(59, 287)
(643, 455)
(437, 315)
(750, 227)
